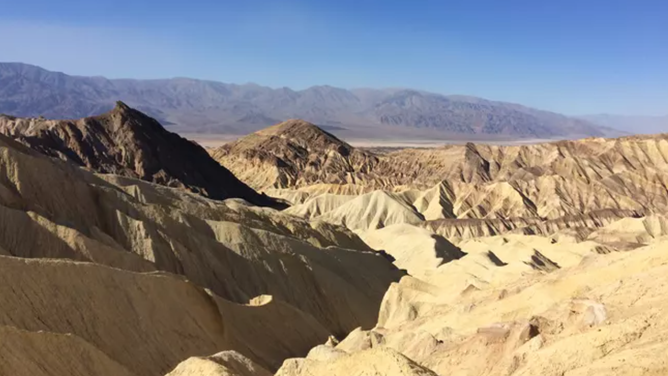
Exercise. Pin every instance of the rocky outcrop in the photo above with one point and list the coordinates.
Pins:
(579, 227)
(128, 143)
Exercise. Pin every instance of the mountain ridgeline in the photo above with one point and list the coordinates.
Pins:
(189, 105)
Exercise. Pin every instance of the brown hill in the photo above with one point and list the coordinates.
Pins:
(126, 142)
(294, 153)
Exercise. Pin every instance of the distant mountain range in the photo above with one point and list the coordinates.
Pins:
(631, 124)
(195, 106)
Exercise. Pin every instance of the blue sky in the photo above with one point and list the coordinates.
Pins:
(575, 57)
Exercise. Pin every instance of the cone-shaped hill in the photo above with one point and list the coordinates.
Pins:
(127, 142)
(294, 153)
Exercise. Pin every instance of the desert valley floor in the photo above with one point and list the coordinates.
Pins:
(128, 250)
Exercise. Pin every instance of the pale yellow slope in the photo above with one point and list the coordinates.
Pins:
(337, 189)
(414, 249)
(601, 315)
(372, 211)
(632, 231)
(227, 363)
(319, 205)
(434, 203)
(371, 362)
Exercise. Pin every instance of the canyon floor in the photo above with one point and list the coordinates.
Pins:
(127, 250)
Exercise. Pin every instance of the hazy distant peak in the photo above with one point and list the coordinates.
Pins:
(22, 66)
(324, 87)
(630, 123)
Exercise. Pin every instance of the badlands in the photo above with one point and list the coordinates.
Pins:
(126, 250)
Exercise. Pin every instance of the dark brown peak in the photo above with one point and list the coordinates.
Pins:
(297, 121)
(472, 151)
(119, 109)
(125, 116)
(298, 128)
(296, 124)
(127, 111)
(471, 146)
(292, 134)
(120, 106)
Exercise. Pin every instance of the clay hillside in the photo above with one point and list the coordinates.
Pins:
(126, 142)
(475, 260)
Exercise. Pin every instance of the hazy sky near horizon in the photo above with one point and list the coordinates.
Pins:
(574, 57)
